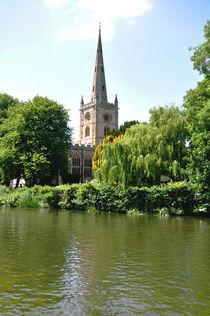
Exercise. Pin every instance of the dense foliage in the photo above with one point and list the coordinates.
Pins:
(6, 101)
(35, 141)
(147, 151)
(97, 157)
(175, 198)
(197, 113)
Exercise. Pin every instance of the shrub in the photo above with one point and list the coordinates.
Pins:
(178, 198)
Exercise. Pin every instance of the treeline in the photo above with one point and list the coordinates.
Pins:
(34, 140)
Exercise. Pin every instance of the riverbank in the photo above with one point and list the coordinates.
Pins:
(178, 198)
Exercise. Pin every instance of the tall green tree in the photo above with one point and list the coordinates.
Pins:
(35, 142)
(197, 113)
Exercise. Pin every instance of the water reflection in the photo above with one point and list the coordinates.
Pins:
(72, 263)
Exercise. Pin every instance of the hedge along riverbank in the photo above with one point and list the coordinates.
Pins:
(179, 198)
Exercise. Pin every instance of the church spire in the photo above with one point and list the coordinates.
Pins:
(99, 93)
(82, 101)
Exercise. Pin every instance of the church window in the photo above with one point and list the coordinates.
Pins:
(102, 69)
(76, 164)
(93, 88)
(76, 161)
(88, 166)
(88, 162)
(75, 170)
(87, 131)
(103, 88)
(106, 130)
(87, 172)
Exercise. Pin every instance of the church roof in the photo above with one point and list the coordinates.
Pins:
(99, 93)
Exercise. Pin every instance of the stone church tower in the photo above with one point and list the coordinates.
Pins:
(99, 116)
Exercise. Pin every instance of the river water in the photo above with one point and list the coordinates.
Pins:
(80, 263)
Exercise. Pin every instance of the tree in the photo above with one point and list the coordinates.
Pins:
(35, 142)
(121, 130)
(6, 101)
(197, 113)
(146, 151)
(97, 157)
(195, 101)
(201, 56)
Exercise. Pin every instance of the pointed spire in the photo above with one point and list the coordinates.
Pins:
(99, 93)
(116, 100)
(82, 101)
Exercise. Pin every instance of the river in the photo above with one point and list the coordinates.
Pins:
(80, 263)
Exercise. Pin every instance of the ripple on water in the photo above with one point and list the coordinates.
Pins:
(67, 263)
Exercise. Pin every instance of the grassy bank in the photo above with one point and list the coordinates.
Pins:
(178, 198)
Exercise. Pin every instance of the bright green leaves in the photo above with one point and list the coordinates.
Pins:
(6, 101)
(147, 151)
(196, 104)
(201, 56)
(97, 157)
(35, 141)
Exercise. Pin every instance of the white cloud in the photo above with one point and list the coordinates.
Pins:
(55, 3)
(110, 9)
(131, 22)
(88, 13)
(86, 30)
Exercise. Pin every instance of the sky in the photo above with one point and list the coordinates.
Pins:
(48, 48)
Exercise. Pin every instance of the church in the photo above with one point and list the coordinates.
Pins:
(97, 119)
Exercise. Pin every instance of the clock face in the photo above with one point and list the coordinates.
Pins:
(107, 117)
(87, 116)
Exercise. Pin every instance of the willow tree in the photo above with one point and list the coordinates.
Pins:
(147, 151)
(97, 157)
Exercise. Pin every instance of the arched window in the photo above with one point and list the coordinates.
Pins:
(88, 166)
(87, 131)
(76, 160)
(76, 164)
(106, 130)
(88, 162)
